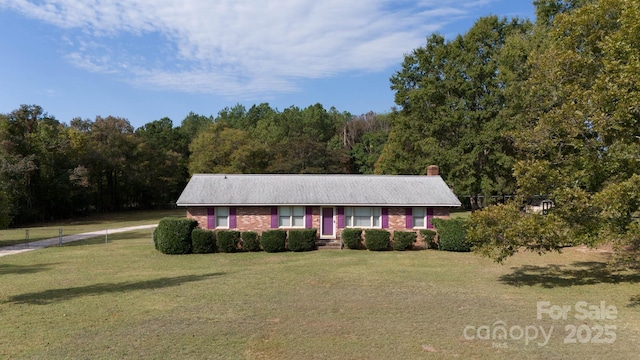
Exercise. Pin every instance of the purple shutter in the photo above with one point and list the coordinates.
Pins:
(232, 218)
(274, 217)
(385, 218)
(211, 219)
(340, 217)
(409, 218)
(308, 217)
(429, 217)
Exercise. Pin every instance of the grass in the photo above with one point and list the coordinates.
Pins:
(125, 300)
(96, 222)
(460, 213)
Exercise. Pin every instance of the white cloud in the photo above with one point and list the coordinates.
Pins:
(240, 47)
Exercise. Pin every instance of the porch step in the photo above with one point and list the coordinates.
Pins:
(329, 245)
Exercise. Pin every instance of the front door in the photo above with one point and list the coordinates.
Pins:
(328, 230)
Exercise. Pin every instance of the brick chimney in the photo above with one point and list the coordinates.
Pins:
(433, 170)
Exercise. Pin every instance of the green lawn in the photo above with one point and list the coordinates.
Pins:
(93, 300)
(96, 222)
(460, 214)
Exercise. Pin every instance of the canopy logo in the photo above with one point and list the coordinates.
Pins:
(499, 333)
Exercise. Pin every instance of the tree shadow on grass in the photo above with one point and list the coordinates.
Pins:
(576, 274)
(634, 301)
(56, 295)
(6, 269)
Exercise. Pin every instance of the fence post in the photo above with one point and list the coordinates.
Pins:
(60, 237)
(106, 236)
(26, 237)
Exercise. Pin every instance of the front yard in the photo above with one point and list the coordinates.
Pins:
(126, 300)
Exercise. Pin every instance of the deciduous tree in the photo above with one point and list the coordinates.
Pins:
(34, 166)
(581, 143)
(451, 95)
(162, 159)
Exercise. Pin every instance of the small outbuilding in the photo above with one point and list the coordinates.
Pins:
(329, 203)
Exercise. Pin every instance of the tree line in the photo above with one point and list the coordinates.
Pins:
(50, 170)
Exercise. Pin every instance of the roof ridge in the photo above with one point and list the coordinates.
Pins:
(317, 189)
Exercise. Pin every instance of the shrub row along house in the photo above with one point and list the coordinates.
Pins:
(329, 203)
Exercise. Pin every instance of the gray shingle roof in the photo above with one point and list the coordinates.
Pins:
(334, 190)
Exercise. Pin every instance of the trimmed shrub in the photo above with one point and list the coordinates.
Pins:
(403, 240)
(377, 240)
(227, 240)
(203, 241)
(452, 235)
(302, 240)
(250, 241)
(173, 236)
(274, 241)
(352, 238)
(429, 237)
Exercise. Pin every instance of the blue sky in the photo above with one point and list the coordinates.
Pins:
(148, 59)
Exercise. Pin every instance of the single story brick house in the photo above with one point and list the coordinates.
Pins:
(329, 203)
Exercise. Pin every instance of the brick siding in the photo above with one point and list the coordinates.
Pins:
(258, 218)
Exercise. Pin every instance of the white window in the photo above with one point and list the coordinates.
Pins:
(291, 216)
(420, 217)
(222, 217)
(362, 217)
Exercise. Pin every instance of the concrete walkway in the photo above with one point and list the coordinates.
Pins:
(20, 248)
